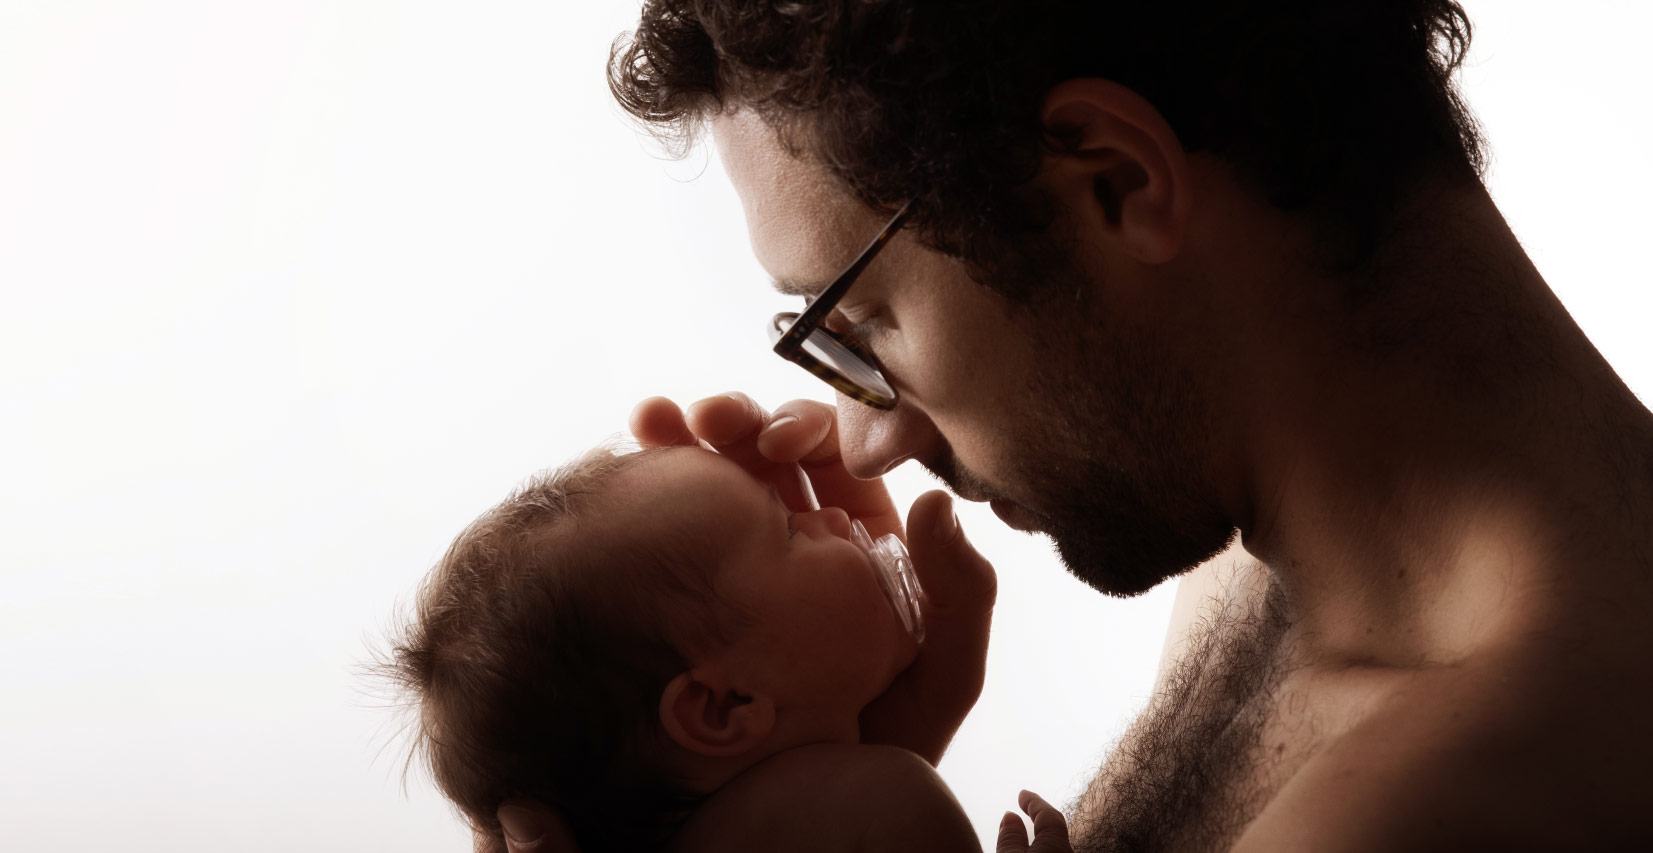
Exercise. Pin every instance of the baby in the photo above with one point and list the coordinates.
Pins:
(654, 645)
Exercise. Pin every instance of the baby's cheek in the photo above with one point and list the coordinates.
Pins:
(886, 647)
(860, 634)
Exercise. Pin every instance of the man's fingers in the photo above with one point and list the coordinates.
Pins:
(1050, 828)
(807, 432)
(795, 450)
(731, 423)
(954, 576)
(727, 424)
(532, 828)
(658, 422)
(726, 419)
(1012, 835)
(797, 430)
(928, 701)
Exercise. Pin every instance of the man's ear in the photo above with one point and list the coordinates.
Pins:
(1119, 167)
(707, 716)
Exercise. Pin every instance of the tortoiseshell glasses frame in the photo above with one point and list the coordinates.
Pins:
(840, 362)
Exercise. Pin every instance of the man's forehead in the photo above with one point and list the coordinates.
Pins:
(803, 225)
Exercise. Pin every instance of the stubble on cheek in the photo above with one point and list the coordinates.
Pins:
(1136, 504)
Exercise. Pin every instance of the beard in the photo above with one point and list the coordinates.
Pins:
(1119, 533)
(1119, 540)
(1110, 454)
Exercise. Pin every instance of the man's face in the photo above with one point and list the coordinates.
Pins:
(1064, 412)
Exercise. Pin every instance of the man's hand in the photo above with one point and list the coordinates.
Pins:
(796, 450)
(924, 707)
(1050, 829)
(529, 827)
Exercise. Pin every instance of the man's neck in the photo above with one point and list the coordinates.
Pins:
(1448, 466)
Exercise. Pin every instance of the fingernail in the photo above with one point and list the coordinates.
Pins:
(523, 825)
(1009, 818)
(780, 422)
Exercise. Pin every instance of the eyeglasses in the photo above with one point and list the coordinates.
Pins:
(840, 361)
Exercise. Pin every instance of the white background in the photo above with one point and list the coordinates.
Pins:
(292, 290)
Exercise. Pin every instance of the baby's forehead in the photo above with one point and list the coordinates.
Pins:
(682, 497)
(664, 526)
(672, 473)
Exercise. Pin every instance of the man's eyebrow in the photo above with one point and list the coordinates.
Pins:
(794, 287)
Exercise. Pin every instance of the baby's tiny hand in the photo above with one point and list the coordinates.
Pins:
(1050, 829)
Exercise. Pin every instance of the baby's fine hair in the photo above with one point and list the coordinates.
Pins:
(536, 656)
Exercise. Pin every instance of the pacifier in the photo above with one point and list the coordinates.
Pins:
(895, 575)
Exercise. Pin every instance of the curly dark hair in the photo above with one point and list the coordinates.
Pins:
(1327, 108)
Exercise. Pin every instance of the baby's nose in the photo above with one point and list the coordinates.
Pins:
(832, 519)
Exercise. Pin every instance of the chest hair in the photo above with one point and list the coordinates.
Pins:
(1217, 740)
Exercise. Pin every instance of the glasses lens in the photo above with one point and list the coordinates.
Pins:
(831, 354)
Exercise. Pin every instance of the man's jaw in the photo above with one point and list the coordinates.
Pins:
(1116, 544)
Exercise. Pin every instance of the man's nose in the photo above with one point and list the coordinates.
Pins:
(873, 441)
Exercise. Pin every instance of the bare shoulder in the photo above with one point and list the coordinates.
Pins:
(1535, 752)
(833, 797)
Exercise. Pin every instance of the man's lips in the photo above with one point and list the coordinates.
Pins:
(971, 488)
(1014, 515)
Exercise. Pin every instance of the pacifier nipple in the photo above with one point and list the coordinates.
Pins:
(895, 575)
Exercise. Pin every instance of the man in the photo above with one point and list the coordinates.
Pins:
(1165, 273)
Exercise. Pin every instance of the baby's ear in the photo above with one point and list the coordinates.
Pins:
(705, 715)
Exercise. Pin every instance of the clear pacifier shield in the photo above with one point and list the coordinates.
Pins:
(895, 574)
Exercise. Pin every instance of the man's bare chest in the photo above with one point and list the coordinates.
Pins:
(1226, 730)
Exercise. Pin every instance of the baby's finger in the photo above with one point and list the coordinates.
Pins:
(731, 423)
(1012, 835)
(658, 422)
(1050, 828)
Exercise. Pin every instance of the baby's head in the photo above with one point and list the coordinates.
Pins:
(624, 634)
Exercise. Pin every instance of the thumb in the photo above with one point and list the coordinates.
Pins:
(1012, 835)
(954, 576)
(532, 828)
